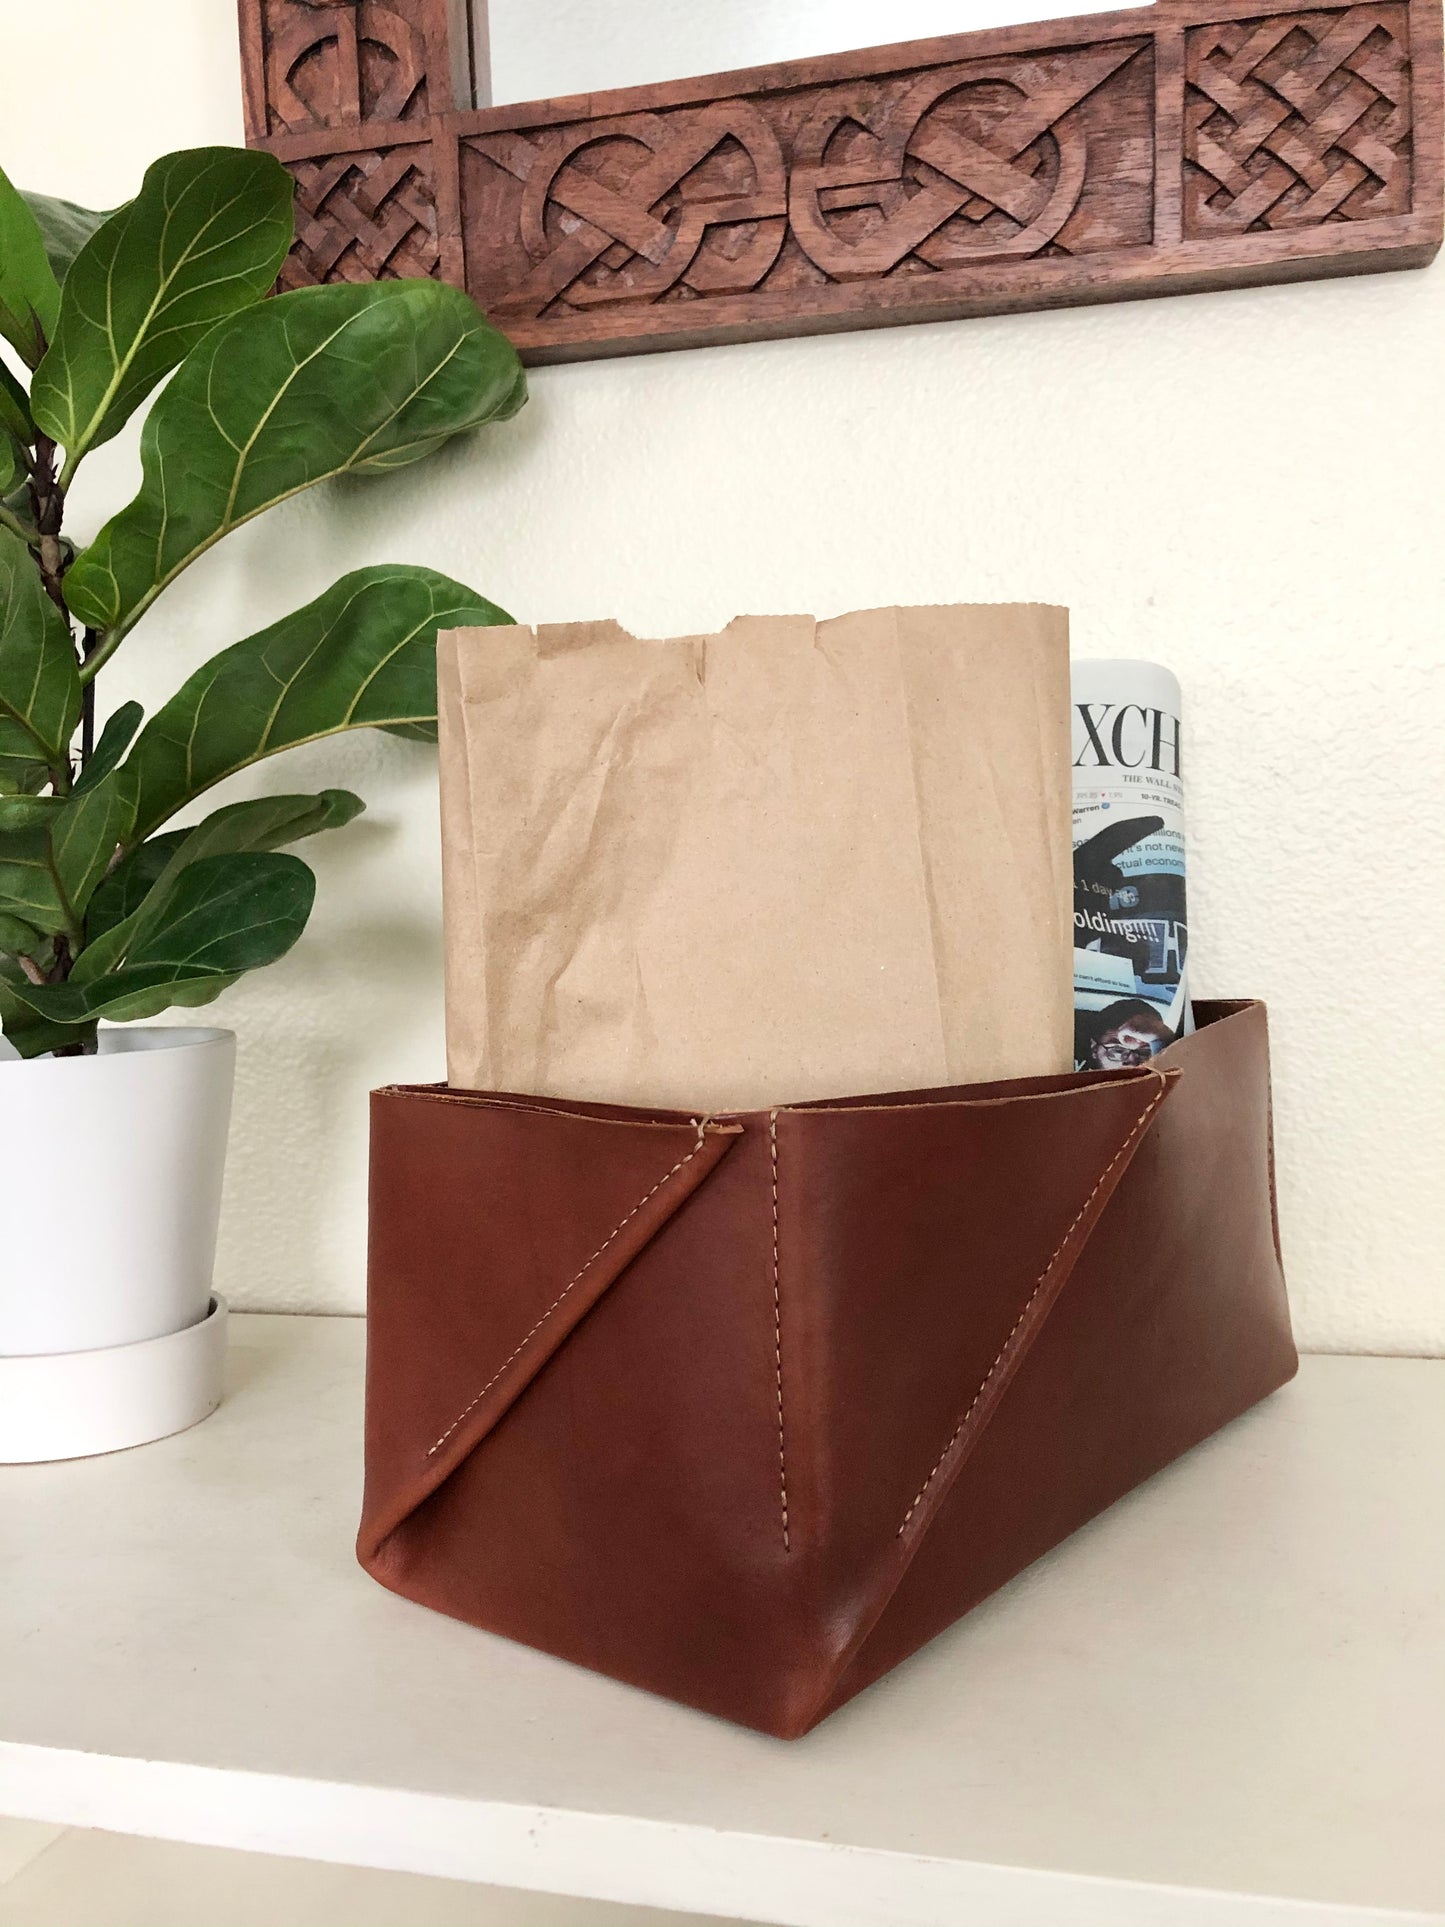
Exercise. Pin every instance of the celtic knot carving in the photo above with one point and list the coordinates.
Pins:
(1296, 120)
(961, 164)
(968, 164)
(1169, 148)
(363, 217)
(628, 209)
(334, 63)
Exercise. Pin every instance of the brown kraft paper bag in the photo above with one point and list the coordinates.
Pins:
(794, 860)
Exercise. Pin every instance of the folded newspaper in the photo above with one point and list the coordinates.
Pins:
(1131, 929)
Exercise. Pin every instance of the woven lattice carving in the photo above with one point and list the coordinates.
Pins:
(1296, 120)
(362, 217)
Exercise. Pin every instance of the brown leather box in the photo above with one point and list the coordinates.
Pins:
(745, 1409)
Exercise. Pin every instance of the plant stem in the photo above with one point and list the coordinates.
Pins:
(74, 932)
(106, 646)
(47, 499)
(88, 646)
(47, 504)
(87, 1046)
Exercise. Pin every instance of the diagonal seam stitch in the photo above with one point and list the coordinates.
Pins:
(778, 1327)
(700, 1125)
(962, 1425)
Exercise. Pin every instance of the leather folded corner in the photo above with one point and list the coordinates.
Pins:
(496, 1226)
(1172, 1322)
(965, 1222)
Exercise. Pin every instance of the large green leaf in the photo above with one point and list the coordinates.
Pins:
(26, 1029)
(112, 744)
(15, 407)
(87, 830)
(64, 228)
(122, 893)
(285, 395)
(226, 915)
(17, 432)
(39, 679)
(265, 823)
(29, 888)
(230, 912)
(205, 237)
(29, 292)
(361, 655)
(143, 881)
(54, 851)
(67, 1011)
(18, 938)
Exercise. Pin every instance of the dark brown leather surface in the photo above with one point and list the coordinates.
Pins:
(744, 1410)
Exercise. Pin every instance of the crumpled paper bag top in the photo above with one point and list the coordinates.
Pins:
(793, 860)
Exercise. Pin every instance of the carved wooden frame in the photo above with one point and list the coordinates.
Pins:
(1188, 145)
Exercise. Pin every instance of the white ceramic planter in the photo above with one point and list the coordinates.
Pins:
(68, 1405)
(110, 1193)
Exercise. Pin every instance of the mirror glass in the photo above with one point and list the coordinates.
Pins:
(575, 46)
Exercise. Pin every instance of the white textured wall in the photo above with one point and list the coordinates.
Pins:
(1246, 485)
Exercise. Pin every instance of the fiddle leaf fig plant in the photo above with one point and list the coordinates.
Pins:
(105, 912)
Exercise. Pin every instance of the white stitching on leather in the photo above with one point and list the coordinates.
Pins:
(700, 1124)
(778, 1325)
(962, 1425)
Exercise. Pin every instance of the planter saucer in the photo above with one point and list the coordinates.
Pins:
(70, 1405)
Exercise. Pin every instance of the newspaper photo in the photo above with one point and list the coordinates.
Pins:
(1131, 929)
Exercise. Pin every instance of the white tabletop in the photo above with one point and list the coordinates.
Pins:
(1222, 1702)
